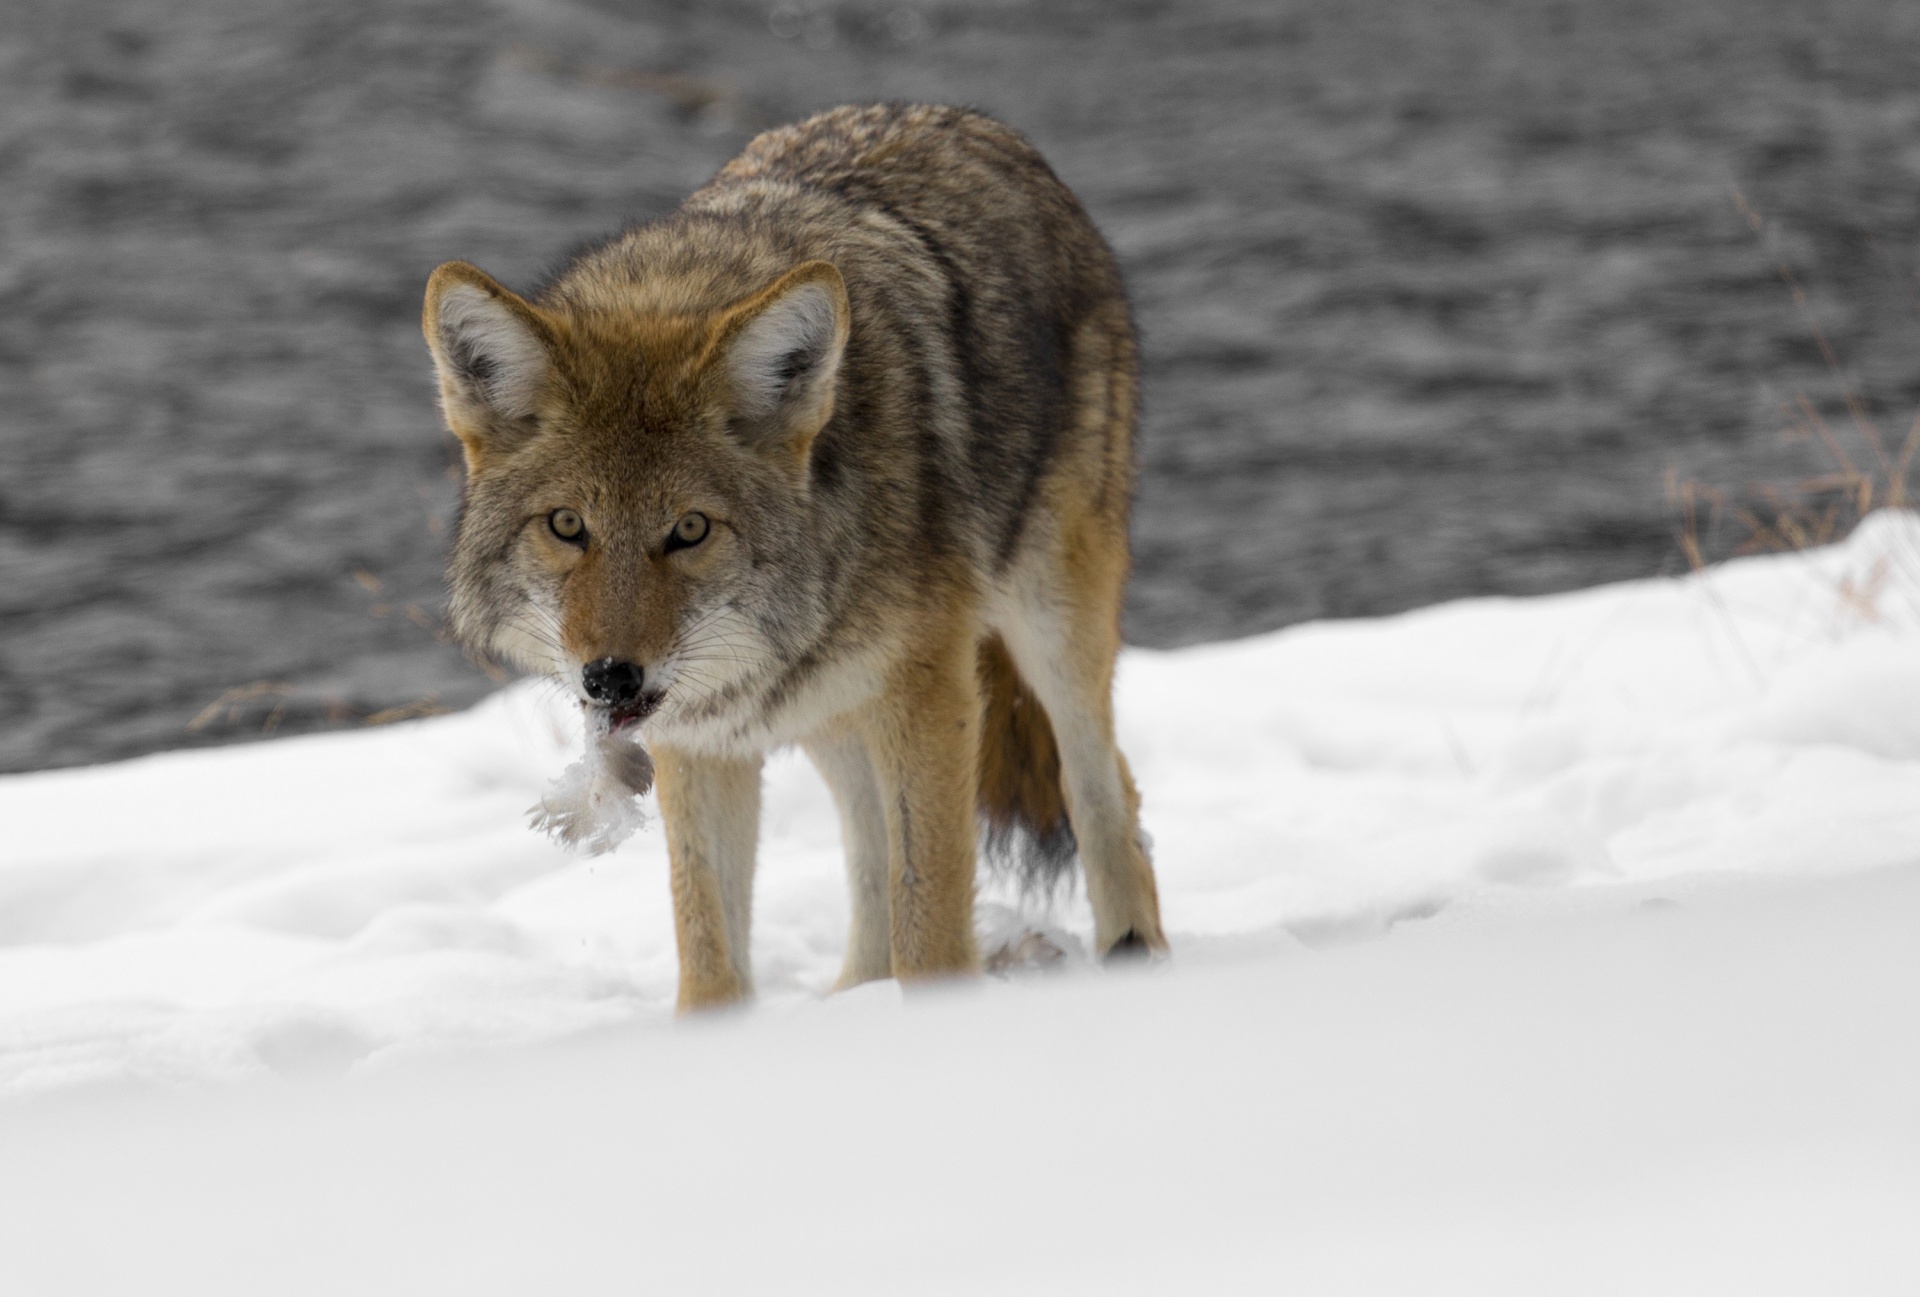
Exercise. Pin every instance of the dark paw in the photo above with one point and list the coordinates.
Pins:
(1130, 949)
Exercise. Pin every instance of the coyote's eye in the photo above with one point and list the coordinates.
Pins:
(688, 532)
(566, 524)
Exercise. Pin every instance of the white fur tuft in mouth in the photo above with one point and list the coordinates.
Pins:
(594, 805)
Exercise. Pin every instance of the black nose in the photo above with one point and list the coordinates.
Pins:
(610, 682)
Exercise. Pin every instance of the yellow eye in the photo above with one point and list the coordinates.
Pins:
(566, 524)
(689, 531)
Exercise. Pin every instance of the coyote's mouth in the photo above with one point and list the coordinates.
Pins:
(626, 715)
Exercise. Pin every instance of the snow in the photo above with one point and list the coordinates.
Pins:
(1560, 944)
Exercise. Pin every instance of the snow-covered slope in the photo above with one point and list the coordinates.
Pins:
(1653, 1030)
(1699, 1091)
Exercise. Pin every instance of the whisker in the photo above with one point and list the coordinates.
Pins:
(717, 657)
(536, 627)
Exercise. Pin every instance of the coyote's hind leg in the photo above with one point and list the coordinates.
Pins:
(1066, 657)
(1060, 618)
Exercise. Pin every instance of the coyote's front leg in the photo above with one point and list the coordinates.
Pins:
(711, 807)
(843, 762)
(923, 736)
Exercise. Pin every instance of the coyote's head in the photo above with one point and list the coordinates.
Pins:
(635, 515)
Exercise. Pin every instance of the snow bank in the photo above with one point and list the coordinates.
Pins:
(1702, 1090)
(1652, 1033)
(342, 902)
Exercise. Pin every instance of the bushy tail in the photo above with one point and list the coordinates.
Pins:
(1021, 804)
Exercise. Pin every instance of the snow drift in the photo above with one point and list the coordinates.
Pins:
(1646, 859)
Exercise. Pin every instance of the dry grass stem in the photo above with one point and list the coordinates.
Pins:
(1818, 509)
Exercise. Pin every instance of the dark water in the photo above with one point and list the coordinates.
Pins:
(1435, 294)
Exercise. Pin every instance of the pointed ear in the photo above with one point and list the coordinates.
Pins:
(491, 351)
(782, 354)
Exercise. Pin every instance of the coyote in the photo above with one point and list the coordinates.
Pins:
(840, 454)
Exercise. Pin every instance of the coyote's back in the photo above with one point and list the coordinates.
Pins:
(838, 454)
(998, 269)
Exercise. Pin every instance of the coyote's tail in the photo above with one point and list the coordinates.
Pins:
(1026, 831)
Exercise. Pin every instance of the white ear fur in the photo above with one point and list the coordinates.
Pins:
(486, 351)
(787, 357)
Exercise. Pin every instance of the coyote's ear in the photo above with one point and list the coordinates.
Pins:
(782, 353)
(491, 351)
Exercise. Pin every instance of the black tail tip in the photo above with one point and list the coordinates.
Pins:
(1041, 863)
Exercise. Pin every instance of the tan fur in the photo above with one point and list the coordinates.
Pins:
(922, 734)
(711, 806)
(885, 365)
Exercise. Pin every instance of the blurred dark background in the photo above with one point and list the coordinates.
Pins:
(1436, 294)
